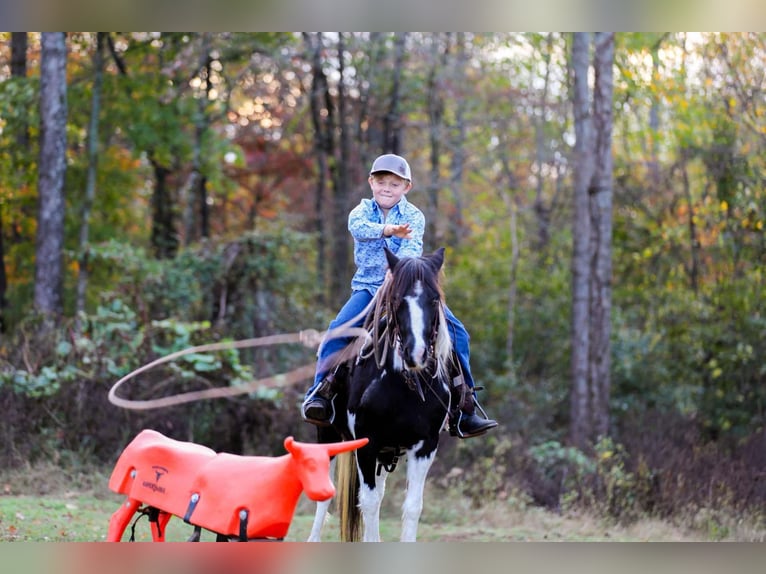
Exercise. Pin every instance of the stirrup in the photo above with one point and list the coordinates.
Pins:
(483, 425)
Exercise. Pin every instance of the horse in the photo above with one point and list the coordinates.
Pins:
(397, 395)
(235, 497)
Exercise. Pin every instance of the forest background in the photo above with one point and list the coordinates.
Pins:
(159, 191)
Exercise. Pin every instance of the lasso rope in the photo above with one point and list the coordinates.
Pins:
(382, 307)
(310, 338)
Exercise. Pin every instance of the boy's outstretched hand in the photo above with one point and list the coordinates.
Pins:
(403, 231)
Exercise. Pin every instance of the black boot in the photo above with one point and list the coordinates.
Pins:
(467, 425)
(463, 420)
(319, 407)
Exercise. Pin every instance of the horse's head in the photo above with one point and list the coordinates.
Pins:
(415, 310)
(312, 464)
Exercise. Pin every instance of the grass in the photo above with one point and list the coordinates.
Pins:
(83, 518)
(42, 504)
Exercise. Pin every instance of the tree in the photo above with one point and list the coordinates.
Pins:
(600, 256)
(592, 238)
(579, 400)
(322, 119)
(458, 140)
(52, 170)
(435, 107)
(90, 186)
(155, 123)
(18, 70)
(341, 242)
(392, 124)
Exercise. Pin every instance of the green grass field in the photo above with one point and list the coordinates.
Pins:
(38, 504)
(36, 507)
(84, 518)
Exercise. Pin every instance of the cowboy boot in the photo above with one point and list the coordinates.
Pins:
(319, 407)
(463, 420)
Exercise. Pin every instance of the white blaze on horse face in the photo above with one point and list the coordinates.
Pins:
(417, 326)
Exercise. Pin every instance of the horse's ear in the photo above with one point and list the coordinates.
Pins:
(391, 258)
(437, 258)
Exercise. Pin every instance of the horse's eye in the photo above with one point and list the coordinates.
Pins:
(435, 302)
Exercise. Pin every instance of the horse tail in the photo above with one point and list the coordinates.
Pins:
(348, 496)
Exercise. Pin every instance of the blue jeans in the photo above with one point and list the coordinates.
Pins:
(355, 305)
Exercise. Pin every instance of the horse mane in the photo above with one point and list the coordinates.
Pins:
(378, 337)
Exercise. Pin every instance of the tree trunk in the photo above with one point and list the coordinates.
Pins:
(541, 210)
(164, 238)
(50, 222)
(579, 403)
(435, 108)
(194, 192)
(601, 237)
(391, 122)
(513, 210)
(654, 123)
(341, 241)
(322, 150)
(511, 202)
(3, 277)
(18, 70)
(458, 142)
(204, 208)
(90, 184)
(693, 269)
(369, 129)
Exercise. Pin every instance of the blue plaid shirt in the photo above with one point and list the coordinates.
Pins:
(366, 223)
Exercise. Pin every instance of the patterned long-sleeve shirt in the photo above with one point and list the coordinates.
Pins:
(366, 222)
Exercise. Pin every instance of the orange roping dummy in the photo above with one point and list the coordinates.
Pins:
(239, 496)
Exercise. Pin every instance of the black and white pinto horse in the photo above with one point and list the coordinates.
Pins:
(396, 395)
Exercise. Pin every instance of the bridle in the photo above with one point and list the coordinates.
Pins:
(430, 340)
(384, 333)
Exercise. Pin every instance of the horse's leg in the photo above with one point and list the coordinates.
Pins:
(372, 487)
(321, 512)
(417, 470)
(319, 518)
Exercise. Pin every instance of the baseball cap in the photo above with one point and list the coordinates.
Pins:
(392, 163)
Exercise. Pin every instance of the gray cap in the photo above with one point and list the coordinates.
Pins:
(392, 163)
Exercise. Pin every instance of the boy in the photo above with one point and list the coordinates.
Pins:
(389, 219)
